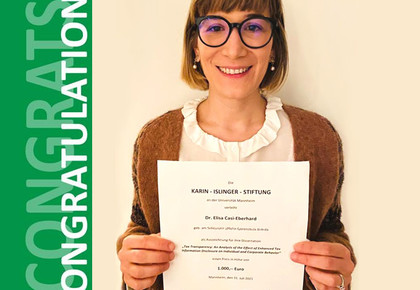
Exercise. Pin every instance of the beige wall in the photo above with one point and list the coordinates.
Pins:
(355, 62)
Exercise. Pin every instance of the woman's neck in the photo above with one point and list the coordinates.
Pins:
(232, 119)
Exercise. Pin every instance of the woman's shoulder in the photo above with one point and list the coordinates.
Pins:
(313, 133)
(308, 121)
(166, 123)
(161, 133)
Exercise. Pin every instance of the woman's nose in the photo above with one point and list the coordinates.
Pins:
(234, 47)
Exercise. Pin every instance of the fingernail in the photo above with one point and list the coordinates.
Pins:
(171, 256)
(293, 256)
(171, 246)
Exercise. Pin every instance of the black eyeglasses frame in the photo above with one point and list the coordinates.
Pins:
(273, 24)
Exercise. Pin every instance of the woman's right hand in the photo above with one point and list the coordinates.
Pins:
(143, 258)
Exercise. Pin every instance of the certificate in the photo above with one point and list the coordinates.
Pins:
(233, 223)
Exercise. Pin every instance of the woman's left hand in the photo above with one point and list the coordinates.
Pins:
(324, 263)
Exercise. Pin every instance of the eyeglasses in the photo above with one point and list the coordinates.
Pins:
(255, 31)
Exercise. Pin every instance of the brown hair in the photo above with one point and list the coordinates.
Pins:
(272, 79)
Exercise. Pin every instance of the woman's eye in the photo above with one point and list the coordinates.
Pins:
(253, 28)
(215, 28)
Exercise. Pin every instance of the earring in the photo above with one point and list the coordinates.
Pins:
(196, 60)
(272, 68)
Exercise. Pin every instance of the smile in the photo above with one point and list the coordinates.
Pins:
(231, 71)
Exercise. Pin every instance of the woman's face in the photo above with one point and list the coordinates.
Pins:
(234, 70)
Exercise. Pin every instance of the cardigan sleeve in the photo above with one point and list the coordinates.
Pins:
(159, 139)
(137, 224)
(316, 140)
(332, 229)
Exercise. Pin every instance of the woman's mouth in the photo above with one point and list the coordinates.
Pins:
(233, 71)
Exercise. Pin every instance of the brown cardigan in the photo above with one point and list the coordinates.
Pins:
(314, 139)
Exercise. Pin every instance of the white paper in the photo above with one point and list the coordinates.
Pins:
(233, 223)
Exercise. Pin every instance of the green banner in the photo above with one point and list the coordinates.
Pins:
(46, 144)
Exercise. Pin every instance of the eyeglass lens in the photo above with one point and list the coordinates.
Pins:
(255, 32)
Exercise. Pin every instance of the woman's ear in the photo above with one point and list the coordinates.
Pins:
(272, 55)
(197, 54)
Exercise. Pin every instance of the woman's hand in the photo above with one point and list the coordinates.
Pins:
(324, 262)
(143, 258)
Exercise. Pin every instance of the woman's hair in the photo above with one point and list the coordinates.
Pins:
(272, 79)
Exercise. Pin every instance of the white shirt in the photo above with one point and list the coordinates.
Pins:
(273, 142)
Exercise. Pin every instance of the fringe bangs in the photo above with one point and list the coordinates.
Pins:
(204, 7)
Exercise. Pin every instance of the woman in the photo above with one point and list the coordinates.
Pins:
(236, 49)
